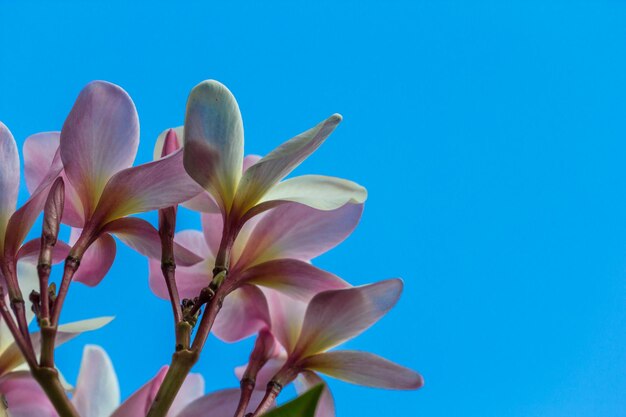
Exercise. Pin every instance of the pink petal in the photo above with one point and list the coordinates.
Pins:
(39, 152)
(287, 315)
(157, 153)
(139, 402)
(144, 238)
(276, 165)
(219, 404)
(99, 138)
(213, 142)
(96, 261)
(295, 278)
(212, 228)
(299, 232)
(244, 313)
(9, 178)
(97, 391)
(22, 220)
(250, 160)
(191, 390)
(152, 186)
(24, 396)
(203, 203)
(29, 252)
(335, 316)
(364, 368)
(326, 404)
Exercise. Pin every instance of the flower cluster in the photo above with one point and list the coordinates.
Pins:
(247, 273)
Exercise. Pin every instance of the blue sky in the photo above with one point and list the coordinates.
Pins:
(490, 136)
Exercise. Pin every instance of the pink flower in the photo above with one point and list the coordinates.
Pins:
(272, 250)
(97, 145)
(15, 224)
(308, 333)
(213, 156)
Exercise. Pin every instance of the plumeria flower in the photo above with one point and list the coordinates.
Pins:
(213, 156)
(15, 224)
(21, 391)
(97, 392)
(309, 332)
(97, 145)
(272, 250)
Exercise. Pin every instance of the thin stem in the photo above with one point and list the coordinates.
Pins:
(71, 266)
(167, 226)
(16, 299)
(181, 365)
(182, 362)
(273, 389)
(48, 379)
(20, 340)
(259, 356)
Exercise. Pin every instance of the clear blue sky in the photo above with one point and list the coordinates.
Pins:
(491, 137)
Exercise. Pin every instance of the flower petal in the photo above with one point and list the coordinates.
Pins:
(144, 238)
(213, 140)
(24, 396)
(363, 368)
(317, 191)
(243, 313)
(326, 404)
(97, 391)
(158, 146)
(276, 165)
(219, 404)
(12, 357)
(152, 186)
(29, 252)
(332, 317)
(295, 278)
(99, 138)
(40, 151)
(300, 232)
(96, 261)
(9, 178)
(287, 315)
(191, 390)
(139, 402)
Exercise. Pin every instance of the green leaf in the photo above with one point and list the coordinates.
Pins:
(303, 406)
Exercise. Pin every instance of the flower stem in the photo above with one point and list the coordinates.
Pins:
(273, 389)
(48, 379)
(182, 362)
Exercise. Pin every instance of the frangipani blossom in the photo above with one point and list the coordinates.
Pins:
(213, 156)
(98, 144)
(308, 332)
(272, 250)
(15, 224)
(15, 380)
